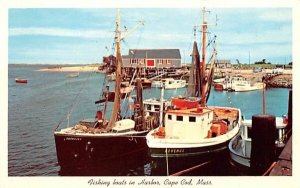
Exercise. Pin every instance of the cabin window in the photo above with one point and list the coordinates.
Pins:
(148, 107)
(192, 119)
(156, 108)
(170, 117)
(179, 118)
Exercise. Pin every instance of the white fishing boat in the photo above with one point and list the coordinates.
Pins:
(240, 145)
(171, 83)
(248, 86)
(73, 75)
(237, 83)
(219, 80)
(111, 76)
(191, 128)
(157, 83)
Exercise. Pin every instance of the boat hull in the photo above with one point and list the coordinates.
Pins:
(187, 152)
(236, 156)
(185, 102)
(218, 87)
(88, 150)
(21, 81)
(242, 88)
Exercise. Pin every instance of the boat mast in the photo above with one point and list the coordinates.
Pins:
(203, 78)
(117, 100)
(194, 79)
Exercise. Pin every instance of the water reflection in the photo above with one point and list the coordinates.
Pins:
(143, 165)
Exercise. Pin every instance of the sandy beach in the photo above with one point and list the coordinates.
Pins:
(86, 68)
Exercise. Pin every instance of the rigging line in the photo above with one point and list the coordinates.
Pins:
(78, 95)
(123, 106)
(73, 104)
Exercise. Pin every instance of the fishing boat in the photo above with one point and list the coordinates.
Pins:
(22, 81)
(94, 142)
(157, 83)
(73, 75)
(240, 145)
(169, 83)
(237, 83)
(112, 76)
(191, 128)
(146, 83)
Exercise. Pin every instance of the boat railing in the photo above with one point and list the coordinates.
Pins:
(280, 128)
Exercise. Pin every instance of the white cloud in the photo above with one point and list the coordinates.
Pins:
(58, 32)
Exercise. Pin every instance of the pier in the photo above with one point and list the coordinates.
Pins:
(283, 166)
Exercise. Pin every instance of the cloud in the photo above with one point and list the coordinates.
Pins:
(58, 32)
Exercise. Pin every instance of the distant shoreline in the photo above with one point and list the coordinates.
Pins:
(85, 68)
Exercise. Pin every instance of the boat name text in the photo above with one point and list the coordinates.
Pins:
(72, 138)
(175, 150)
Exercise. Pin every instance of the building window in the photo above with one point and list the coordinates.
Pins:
(142, 61)
(192, 119)
(170, 117)
(169, 61)
(133, 61)
(179, 118)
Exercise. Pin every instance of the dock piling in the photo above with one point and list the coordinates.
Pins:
(262, 145)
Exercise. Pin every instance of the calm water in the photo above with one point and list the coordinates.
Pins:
(34, 110)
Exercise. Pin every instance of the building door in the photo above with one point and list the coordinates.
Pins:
(150, 62)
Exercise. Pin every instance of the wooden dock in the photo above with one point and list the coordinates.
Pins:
(283, 166)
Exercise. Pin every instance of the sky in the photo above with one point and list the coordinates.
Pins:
(84, 36)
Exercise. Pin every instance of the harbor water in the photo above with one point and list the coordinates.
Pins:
(36, 108)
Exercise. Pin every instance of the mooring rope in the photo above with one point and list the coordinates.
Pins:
(190, 169)
(270, 168)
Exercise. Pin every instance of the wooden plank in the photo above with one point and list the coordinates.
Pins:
(286, 154)
(284, 163)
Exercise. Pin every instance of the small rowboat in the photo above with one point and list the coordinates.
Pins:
(72, 75)
(22, 81)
